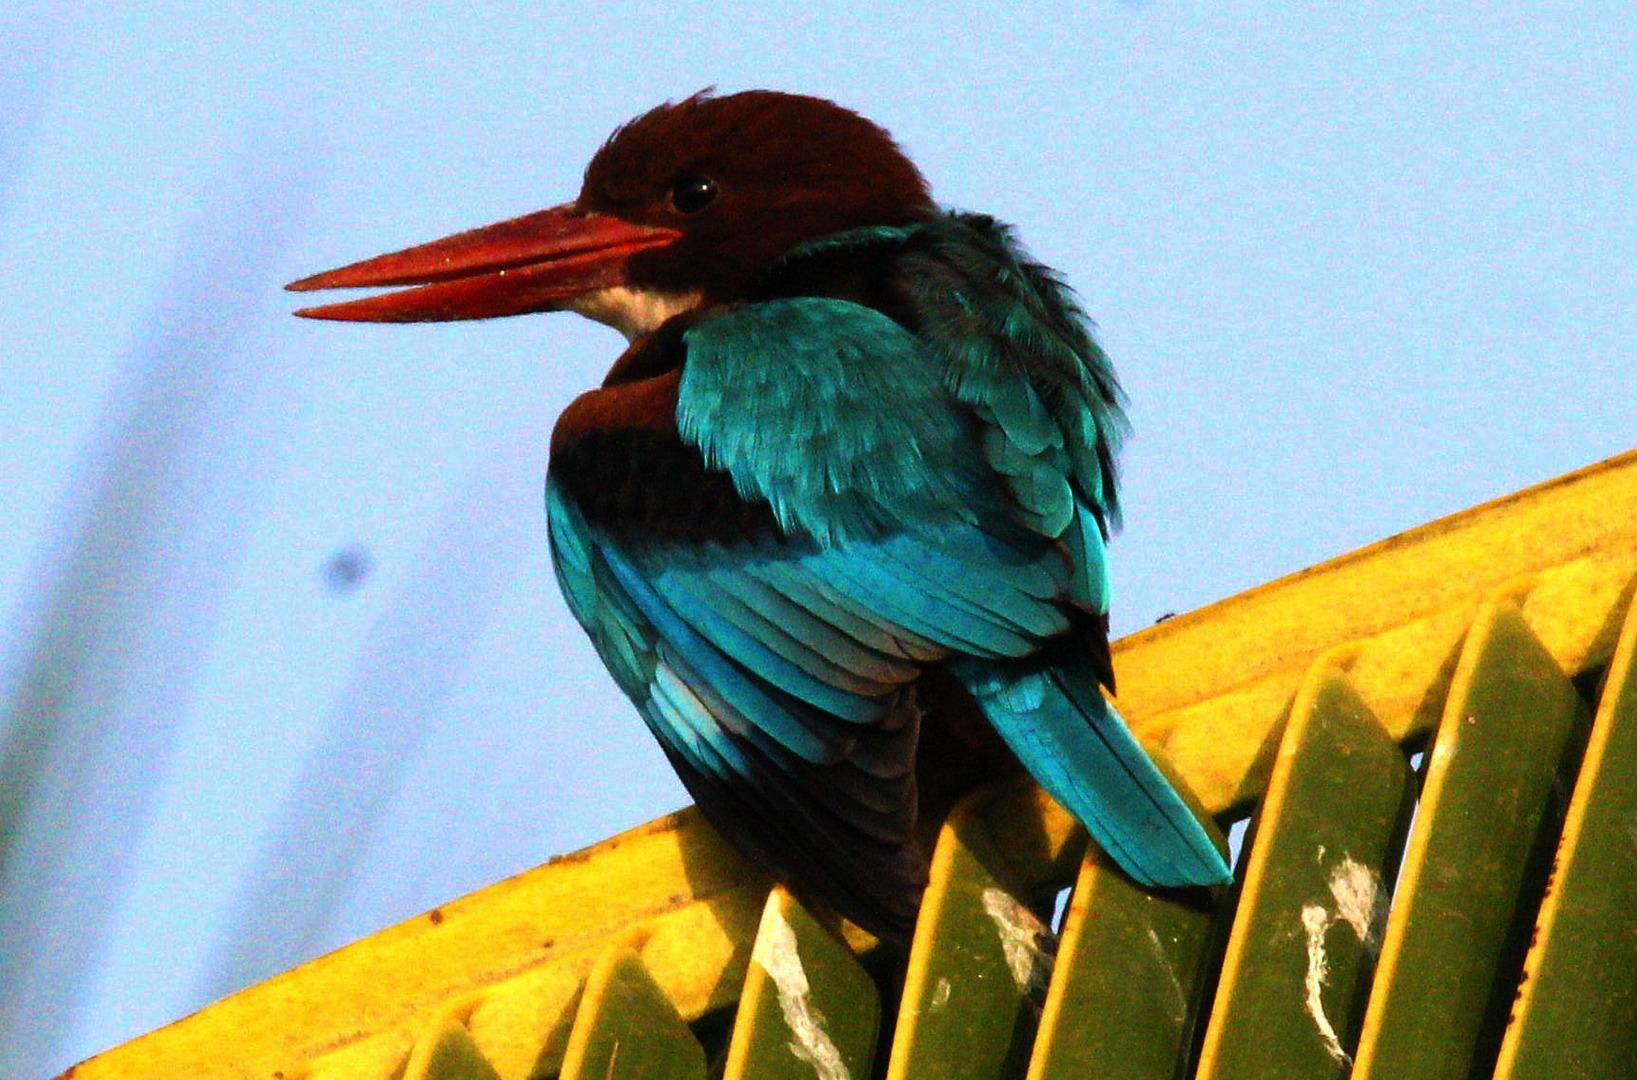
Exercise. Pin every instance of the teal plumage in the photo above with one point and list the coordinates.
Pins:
(941, 481)
(859, 455)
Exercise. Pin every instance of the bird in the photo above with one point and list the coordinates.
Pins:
(857, 444)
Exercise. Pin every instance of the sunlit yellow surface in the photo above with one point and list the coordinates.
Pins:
(498, 973)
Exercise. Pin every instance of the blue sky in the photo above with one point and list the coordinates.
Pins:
(1358, 268)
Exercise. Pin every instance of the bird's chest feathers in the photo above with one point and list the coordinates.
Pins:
(634, 311)
(617, 453)
(645, 404)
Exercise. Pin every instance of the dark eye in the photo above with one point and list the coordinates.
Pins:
(691, 194)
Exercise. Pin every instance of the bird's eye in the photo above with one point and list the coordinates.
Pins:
(691, 194)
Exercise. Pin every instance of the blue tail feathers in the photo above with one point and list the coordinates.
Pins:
(1051, 713)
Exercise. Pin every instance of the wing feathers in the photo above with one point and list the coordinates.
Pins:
(736, 687)
(939, 495)
(817, 644)
(772, 656)
(854, 617)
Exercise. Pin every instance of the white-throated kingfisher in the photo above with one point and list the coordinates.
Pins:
(857, 444)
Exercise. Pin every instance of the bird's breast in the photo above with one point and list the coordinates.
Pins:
(617, 453)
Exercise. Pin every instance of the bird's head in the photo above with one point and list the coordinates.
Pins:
(683, 207)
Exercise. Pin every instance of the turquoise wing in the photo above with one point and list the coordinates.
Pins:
(829, 801)
(777, 672)
(1017, 350)
(962, 498)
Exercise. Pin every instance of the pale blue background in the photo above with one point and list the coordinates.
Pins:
(1359, 266)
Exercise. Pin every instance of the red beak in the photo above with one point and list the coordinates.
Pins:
(531, 263)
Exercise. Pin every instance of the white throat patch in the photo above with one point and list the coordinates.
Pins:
(633, 312)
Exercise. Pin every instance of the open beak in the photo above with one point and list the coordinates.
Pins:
(532, 263)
